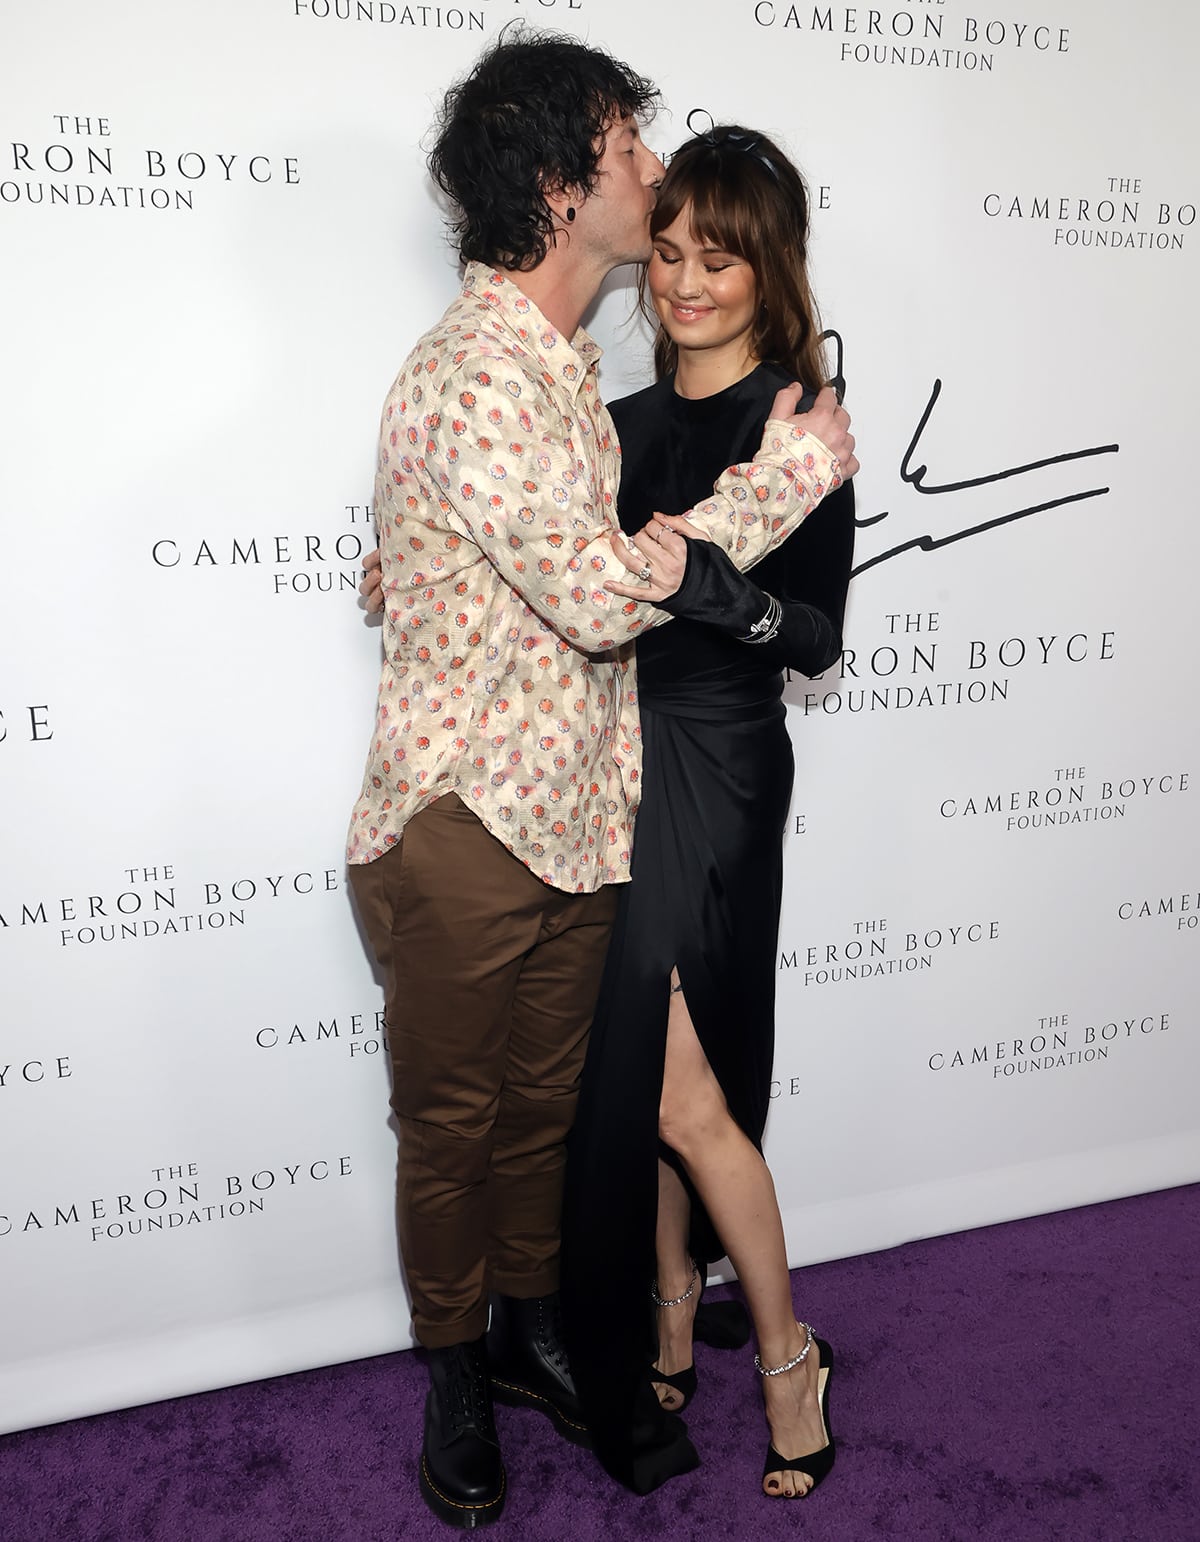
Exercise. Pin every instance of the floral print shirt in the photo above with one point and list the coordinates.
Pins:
(507, 674)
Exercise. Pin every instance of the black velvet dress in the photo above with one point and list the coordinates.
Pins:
(706, 885)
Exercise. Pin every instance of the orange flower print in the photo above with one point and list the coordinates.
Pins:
(481, 689)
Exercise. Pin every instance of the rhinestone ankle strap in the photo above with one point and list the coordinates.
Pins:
(788, 1365)
(675, 1300)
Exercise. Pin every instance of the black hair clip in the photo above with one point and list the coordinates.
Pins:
(730, 139)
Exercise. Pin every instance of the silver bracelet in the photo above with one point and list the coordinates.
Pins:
(765, 629)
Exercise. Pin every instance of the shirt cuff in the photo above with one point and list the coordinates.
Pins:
(783, 437)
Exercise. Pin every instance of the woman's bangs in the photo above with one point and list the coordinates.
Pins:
(719, 215)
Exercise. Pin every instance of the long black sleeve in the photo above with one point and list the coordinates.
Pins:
(809, 575)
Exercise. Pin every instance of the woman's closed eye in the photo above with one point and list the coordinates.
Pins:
(709, 267)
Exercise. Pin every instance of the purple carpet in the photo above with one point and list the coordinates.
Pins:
(1039, 1380)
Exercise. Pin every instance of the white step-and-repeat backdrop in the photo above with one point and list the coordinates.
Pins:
(219, 243)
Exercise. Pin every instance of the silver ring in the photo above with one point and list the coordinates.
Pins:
(646, 574)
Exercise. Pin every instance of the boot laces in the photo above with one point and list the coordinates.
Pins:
(467, 1393)
(550, 1332)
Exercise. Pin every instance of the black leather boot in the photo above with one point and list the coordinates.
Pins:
(529, 1362)
(462, 1474)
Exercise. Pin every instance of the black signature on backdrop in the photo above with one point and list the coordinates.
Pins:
(915, 477)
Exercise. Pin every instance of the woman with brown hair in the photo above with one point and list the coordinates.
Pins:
(665, 1171)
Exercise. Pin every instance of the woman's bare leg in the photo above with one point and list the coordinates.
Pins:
(674, 1267)
(736, 1186)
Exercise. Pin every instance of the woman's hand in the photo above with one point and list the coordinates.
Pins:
(681, 525)
(657, 555)
(371, 587)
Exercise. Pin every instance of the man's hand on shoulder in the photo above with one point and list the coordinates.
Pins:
(829, 421)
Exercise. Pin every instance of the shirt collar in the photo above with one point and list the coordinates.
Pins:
(568, 362)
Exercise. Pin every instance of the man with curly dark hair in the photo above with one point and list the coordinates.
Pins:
(503, 773)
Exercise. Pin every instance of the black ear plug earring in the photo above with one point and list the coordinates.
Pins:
(570, 214)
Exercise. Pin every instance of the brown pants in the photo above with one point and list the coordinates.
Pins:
(491, 980)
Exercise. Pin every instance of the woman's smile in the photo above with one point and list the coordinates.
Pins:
(706, 298)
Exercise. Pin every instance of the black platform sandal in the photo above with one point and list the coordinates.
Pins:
(817, 1465)
(683, 1382)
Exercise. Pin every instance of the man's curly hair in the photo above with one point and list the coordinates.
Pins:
(528, 120)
